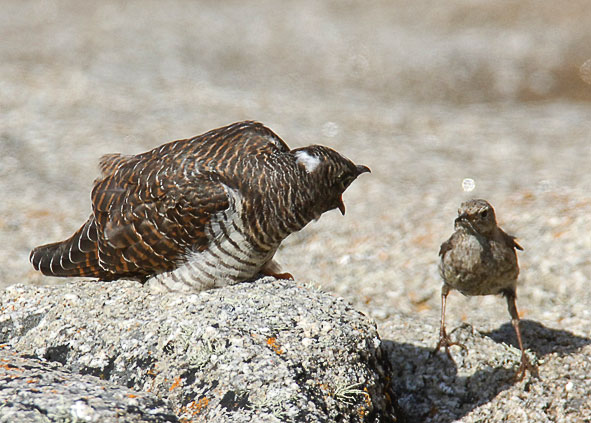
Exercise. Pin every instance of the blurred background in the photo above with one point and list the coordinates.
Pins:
(426, 93)
(444, 101)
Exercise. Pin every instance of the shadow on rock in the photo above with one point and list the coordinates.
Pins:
(539, 338)
(431, 387)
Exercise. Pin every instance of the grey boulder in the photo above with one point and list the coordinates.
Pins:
(33, 390)
(263, 351)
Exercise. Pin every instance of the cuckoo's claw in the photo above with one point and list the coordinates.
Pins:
(284, 275)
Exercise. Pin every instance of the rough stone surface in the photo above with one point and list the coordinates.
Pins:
(32, 390)
(480, 385)
(426, 93)
(263, 351)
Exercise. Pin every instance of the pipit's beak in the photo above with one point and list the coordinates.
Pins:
(341, 205)
(461, 218)
(362, 169)
(464, 220)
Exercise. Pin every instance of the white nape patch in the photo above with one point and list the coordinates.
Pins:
(309, 161)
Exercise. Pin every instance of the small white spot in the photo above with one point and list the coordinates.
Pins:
(585, 71)
(82, 411)
(309, 161)
(330, 129)
(306, 342)
(346, 259)
(468, 184)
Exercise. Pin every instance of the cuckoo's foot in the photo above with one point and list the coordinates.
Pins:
(285, 275)
(272, 268)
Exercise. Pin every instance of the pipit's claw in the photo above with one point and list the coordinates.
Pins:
(526, 365)
(446, 342)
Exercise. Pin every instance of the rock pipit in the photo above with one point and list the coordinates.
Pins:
(480, 259)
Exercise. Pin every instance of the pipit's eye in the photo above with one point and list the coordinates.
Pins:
(484, 213)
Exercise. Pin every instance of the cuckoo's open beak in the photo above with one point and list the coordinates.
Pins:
(341, 205)
(360, 169)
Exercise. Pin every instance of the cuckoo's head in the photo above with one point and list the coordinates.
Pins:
(328, 174)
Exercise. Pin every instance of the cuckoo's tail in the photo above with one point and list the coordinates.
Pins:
(76, 256)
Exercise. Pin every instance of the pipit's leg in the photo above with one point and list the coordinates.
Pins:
(443, 337)
(525, 363)
(272, 268)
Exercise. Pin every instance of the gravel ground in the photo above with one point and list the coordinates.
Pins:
(426, 94)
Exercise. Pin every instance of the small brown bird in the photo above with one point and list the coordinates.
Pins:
(480, 259)
(203, 212)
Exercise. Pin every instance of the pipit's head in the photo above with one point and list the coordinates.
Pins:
(476, 216)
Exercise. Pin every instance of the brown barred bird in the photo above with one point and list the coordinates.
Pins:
(203, 212)
(480, 259)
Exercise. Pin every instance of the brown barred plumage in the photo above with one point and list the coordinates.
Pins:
(202, 212)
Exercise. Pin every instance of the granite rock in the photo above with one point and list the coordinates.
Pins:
(480, 385)
(266, 351)
(36, 390)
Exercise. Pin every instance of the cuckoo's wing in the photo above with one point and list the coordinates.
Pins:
(151, 209)
(237, 153)
(150, 215)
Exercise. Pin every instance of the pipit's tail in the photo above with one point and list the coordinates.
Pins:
(76, 256)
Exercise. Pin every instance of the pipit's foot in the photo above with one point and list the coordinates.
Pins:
(525, 366)
(446, 342)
